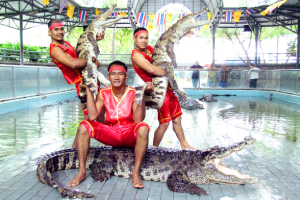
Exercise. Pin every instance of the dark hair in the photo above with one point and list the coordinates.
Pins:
(53, 21)
(139, 29)
(251, 64)
(117, 62)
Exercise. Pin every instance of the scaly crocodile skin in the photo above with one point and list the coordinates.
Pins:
(208, 98)
(183, 170)
(87, 48)
(190, 103)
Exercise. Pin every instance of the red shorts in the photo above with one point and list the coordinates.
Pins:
(77, 90)
(170, 109)
(116, 135)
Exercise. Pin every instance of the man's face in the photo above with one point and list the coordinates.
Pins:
(141, 40)
(57, 33)
(196, 63)
(117, 78)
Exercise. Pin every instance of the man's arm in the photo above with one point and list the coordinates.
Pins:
(139, 111)
(61, 56)
(141, 62)
(93, 109)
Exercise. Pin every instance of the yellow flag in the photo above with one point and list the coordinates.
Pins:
(70, 11)
(204, 27)
(150, 26)
(168, 25)
(97, 11)
(209, 14)
(46, 2)
(272, 7)
(151, 16)
(123, 14)
(237, 15)
(168, 16)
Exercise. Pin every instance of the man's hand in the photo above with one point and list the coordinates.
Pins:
(82, 88)
(96, 61)
(150, 88)
(101, 36)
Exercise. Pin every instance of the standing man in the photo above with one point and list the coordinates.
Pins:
(195, 76)
(141, 58)
(224, 76)
(253, 76)
(123, 126)
(64, 55)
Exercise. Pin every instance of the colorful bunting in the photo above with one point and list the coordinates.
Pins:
(272, 7)
(123, 14)
(169, 16)
(198, 28)
(249, 11)
(83, 15)
(62, 6)
(113, 14)
(237, 16)
(168, 25)
(161, 18)
(141, 18)
(161, 28)
(206, 26)
(209, 14)
(144, 25)
(97, 12)
(150, 26)
(70, 11)
(228, 16)
(46, 2)
(151, 16)
(181, 15)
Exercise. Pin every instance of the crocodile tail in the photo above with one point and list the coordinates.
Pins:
(61, 160)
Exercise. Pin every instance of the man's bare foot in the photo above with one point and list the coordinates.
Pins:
(188, 147)
(136, 181)
(78, 178)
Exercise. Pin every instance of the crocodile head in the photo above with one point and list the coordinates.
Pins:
(100, 23)
(188, 22)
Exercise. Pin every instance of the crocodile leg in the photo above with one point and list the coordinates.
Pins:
(178, 182)
(102, 169)
(139, 93)
(93, 41)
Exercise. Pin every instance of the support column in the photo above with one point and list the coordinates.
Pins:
(298, 45)
(21, 41)
(213, 43)
(256, 32)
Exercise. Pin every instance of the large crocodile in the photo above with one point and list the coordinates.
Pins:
(190, 103)
(164, 57)
(88, 49)
(183, 170)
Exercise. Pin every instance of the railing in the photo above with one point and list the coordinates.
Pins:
(22, 81)
(44, 57)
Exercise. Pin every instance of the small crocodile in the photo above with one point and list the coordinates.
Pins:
(88, 49)
(183, 170)
(190, 103)
(164, 57)
(208, 98)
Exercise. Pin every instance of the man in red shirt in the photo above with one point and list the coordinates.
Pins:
(123, 126)
(64, 55)
(141, 58)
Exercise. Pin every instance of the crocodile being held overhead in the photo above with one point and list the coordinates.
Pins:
(183, 170)
(164, 57)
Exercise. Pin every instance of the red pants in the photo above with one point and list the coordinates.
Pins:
(170, 109)
(116, 135)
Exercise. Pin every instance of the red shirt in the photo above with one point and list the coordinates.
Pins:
(145, 76)
(71, 75)
(118, 112)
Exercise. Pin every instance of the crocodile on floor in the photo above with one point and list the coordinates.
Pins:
(183, 170)
(87, 48)
(190, 103)
(164, 57)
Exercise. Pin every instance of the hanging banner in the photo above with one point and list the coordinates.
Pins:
(228, 16)
(46, 2)
(62, 6)
(237, 16)
(209, 15)
(206, 26)
(150, 26)
(169, 16)
(249, 11)
(123, 14)
(83, 15)
(70, 11)
(168, 25)
(161, 18)
(144, 25)
(97, 12)
(272, 7)
(151, 16)
(161, 28)
(113, 14)
(141, 18)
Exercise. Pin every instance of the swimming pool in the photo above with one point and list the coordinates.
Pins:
(273, 159)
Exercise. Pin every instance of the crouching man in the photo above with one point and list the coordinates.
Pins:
(123, 126)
